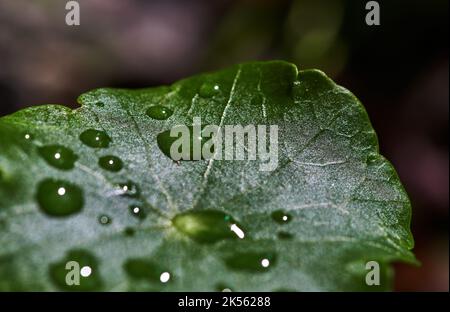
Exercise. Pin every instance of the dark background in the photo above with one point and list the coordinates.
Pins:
(399, 70)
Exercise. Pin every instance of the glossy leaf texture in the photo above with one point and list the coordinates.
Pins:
(92, 185)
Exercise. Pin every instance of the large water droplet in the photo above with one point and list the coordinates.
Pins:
(251, 261)
(59, 198)
(281, 217)
(208, 89)
(208, 226)
(137, 211)
(104, 220)
(159, 112)
(129, 189)
(76, 261)
(142, 269)
(165, 142)
(110, 163)
(58, 156)
(95, 138)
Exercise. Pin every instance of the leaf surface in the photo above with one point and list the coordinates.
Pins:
(131, 214)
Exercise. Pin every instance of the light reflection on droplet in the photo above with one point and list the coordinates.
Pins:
(234, 228)
(265, 263)
(85, 271)
(165, 277)
(61, 191)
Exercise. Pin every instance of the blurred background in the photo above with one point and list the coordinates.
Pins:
(399, 70)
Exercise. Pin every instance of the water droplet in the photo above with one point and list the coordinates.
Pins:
(208, 226)
(285, 235)
(104, 219)
(165, 142)
(137, 211)
(59, 198)
(28, 136)
(143, 269)
(129, 189)
(95, 138)
(110, 163)
(129, 231)
(159, 112)
(281, 217)
(251, 261)
(208, 90)
(77, 259)
(58, 156)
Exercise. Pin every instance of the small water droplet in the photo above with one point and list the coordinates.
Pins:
(284, 235)
(28, 136)
(95, 138)
(281, 217)
(129, 189)
(104, 219)
(143, 269)
(58, 156)
(110, 163)
(59, 198)
(159, 112)
(137, 211)
(208, 90)
(129, 231)
(251, 261)
(208, 226)
(79, 259)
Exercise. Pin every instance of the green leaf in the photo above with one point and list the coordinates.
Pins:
(113, 201)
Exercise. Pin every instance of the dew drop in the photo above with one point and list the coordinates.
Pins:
(159, 112)
(59, 198)
(58, 156)
(208, 226)
(281, 217)
(90, 279)
(128, 189)
(285, 235)
(104, 220)
(143, 269)
(165, 141)
(208, 90)
(129, 231)
(137, 211)
(251, 261)
(95, 138)
(110, 163)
